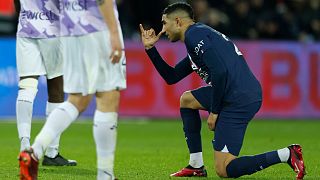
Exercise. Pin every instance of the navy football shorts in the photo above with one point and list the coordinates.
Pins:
(231, 124)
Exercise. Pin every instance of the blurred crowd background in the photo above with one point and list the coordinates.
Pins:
(239, 19)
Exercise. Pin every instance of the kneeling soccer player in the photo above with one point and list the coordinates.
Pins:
(233, 96)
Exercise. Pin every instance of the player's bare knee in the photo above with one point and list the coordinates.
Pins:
(221, 171)
(186, 100)
(80, 102)
(108, 101)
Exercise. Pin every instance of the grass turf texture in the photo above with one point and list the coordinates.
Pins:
(148, 150)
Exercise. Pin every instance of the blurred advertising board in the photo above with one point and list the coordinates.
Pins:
(288, 71)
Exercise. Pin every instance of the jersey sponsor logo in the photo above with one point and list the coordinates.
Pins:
(77, 5)
(204, 75)
(198, 47)
(40, 15)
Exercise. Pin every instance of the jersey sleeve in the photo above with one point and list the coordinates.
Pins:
(170, 74)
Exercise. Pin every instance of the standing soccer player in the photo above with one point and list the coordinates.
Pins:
(38, 53)
(232, 98)
(94, 64)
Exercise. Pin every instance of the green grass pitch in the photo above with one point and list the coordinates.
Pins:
(148, 150)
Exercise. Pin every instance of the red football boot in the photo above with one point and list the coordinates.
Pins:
(189, 172)
(28, 165)
(296, 161)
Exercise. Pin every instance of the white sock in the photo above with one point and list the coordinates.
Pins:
(24, 144)
(53, 148)
(284, 154)
(196, 160)
(57, 122)
(104, 133)
(24, 108)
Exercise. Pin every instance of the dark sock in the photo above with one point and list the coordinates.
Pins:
(192, 127)
(247, 165)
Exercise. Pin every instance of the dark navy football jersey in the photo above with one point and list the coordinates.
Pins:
(218, 62)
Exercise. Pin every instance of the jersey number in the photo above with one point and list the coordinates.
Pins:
(235, 47)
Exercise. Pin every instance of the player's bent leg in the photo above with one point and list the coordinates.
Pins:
(105, 132)
(55, 99)
(59, 120)
(187, 100)
(28, 88)
(189, 110)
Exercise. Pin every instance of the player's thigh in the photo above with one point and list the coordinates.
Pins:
(108, 101)
(81, 56)
(202, 96)
(231, 126)
(29, 59)
(50, 50)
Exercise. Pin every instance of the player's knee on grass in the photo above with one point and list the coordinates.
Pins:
(221, 162)
(55, 90)
(221, 170)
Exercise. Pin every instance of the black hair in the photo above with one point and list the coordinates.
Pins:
(179, 6)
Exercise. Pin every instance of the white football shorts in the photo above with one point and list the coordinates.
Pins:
(87, 66)
(37, 57)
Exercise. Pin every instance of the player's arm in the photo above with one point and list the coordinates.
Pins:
(170, 74)
(107, 11)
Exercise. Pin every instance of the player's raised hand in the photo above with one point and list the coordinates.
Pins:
(149, 37)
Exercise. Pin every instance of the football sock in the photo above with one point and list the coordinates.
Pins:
(56, 123)
(104, 133)
(24, 144)
(53, 148)
(247, 165)
(196, 160)
(24, 108)
(284, 154)
(104, 175)
(192, 127)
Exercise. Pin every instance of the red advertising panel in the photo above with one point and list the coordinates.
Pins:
(7, 7)
(289, 73)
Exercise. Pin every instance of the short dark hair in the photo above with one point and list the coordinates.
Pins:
(179, 6)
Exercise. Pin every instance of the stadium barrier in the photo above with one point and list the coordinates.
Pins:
(288, 71)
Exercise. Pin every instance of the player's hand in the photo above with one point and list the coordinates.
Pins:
(212, 121)
(116, 52)
(149, 37)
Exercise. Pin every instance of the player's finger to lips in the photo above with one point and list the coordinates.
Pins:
(141, 28)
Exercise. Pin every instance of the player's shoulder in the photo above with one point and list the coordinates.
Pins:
(196, 33)
(198, 29)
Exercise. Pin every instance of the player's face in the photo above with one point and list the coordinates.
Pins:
(171, 28)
